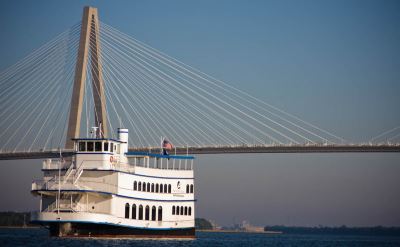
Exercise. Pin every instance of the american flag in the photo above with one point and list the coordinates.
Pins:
(167, 145)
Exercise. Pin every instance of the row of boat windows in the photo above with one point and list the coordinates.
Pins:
(98, 146)
(181, 210)
(137, 212)
(158, 188)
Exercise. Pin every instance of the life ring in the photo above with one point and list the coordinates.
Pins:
(111, 159)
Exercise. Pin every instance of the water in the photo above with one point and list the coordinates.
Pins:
(39, 237)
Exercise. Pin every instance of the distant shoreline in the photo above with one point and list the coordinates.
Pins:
(20, 227)
(389, 231)
(238, 231)
(20, 220)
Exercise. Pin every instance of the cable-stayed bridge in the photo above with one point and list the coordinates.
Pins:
(95, 75)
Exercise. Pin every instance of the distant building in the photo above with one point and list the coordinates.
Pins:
(245, 226)
(215, 226)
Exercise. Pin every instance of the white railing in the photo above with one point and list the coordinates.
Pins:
(161, 164)
(54, 164)
(78, 172)
(82, 184)
(125, 167)
(150, 162)
(69, 172)
(66, 205)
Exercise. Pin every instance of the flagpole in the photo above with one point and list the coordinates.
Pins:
(161, 147)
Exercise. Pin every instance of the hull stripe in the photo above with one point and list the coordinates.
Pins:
(107, 223)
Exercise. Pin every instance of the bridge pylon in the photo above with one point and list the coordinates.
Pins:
(89, 43)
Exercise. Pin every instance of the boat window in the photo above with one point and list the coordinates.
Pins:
(127, 210)
(144, 187)
(186, 210)
(161, 188)
(148, 187)
(169, 188)
(140, 212)
(135, 185)
(190, 210)
(177, 210)
(181, 210)
(153, 213)
(106, 146)
(187, 188)
(147, 213)
(111, 147)
(156, 188)
(159, 213)
(191, 188)
(152, 187)
(90, 147)
(134, 211)
(82, 146)
(173, 210)
(165, 188)
(140, 186)
(97, 146)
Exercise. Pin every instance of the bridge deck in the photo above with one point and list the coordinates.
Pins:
(225, 150)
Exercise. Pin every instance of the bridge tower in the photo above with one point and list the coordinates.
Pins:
(89, 43)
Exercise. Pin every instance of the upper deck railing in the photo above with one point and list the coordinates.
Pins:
(135, 159)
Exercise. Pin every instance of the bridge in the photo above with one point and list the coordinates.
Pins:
(224, 150)
(95, 75)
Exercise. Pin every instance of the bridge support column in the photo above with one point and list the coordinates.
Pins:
(88, 43)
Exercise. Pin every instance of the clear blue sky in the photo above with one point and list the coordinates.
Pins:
(334, 63)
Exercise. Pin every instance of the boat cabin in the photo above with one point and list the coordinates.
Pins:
(86, 145)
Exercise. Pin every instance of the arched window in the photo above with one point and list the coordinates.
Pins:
(144, 187)
(153, 213)
(159, 213)
(148, 187)
(190, 210)
(161, 188)
(127, 210)
(191, 188)
(140, 212)
(156, 188)
(169, 188)
(187, 188)
(152, 187)
(186, 210)
(135, 185)
(173, 210)
(165, 188)
(177, 210)
(134, 211)
(181, 210)
(147, 213)
(140, 186)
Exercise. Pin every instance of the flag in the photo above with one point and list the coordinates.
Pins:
(166, 145)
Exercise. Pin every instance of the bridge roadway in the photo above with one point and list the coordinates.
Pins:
(226, 150)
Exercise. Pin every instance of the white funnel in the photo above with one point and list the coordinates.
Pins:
(123, 137)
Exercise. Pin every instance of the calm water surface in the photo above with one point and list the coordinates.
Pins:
(39, 237)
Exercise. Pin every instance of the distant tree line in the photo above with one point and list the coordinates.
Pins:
(342, 230)
(14, 219)
(203, 224)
